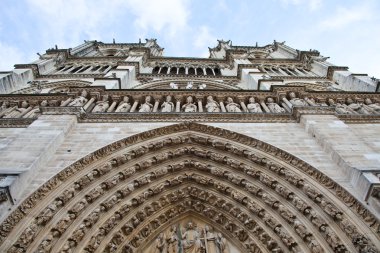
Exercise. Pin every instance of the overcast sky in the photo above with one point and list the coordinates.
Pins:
(348, 31)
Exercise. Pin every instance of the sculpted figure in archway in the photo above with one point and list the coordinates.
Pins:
(274, 107)
(253, 106)
(189, 106)
(296, 101)
(210, 240)
(161, 245)
(124, 106)
(102, 106)
(212, 105)
(172, 239)
(231, 106)
(222, 243)
(168, 105)
(190, 240)
(80, 100)
(147, 106)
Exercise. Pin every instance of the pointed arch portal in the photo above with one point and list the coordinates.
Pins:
(173, 185)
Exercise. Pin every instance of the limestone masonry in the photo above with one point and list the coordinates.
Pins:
(114, 147)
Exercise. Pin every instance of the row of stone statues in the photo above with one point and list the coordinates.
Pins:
(193, 239)
(169, 106)
(25, 110)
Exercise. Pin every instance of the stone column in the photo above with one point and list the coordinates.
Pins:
(89, 103)
(156, 103)
(242, 104)
(309, 101)
(222, 107)
(112, 107)
(178, 104)
(287, 102)
(264, 106)
(135, 104)
(286, 107)
(66, 102)
(200, 105)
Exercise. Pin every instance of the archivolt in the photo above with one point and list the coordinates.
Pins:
(261, 198)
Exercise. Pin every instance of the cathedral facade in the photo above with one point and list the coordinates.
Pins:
(114, 147)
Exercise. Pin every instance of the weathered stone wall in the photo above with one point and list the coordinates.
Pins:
(348, 153)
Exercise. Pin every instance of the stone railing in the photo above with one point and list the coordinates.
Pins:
(280, 104)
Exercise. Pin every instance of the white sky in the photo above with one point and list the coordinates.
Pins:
(348, 31)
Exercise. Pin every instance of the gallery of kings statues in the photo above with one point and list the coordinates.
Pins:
(114, 147)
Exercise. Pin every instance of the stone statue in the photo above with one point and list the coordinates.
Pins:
(296, 101)
(80, 100)
(253, 106)
(36, 110)
(369, 105)
(212, 105)
(189, 106)
(17, 112)
(222, 243)
(356, 107)
(231, 106)
(339, 108)
(160, 244)
(190, 240)
(274, 107)
(4, 106)
(210, 241)
(147, 106)
(168, 105)
(172, 240)
(102, 106)
(124, 106)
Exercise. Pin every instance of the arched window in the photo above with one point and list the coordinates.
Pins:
(155, 70)
(200, 72)
(191, 71)
(95, 68)
(209, 72)
(181, 71)
(60, 68)
(84, 69)
(103, 68)
(173, 70)
(75, 69)
(164, 70)
(217, 72)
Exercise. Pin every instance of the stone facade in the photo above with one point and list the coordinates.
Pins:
(116, 148)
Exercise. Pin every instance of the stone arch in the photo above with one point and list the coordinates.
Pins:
(53, 87)
(164, 84)
(261, 198)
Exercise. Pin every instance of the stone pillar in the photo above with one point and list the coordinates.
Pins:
(66, 102)
(178, 104)
(287, 102)
(309, 101)
(222, 107)
(112, 107)
(264, 106)
(200, 105)
(156, 103)
(135, 104)
(89, 103)
(242, 104)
